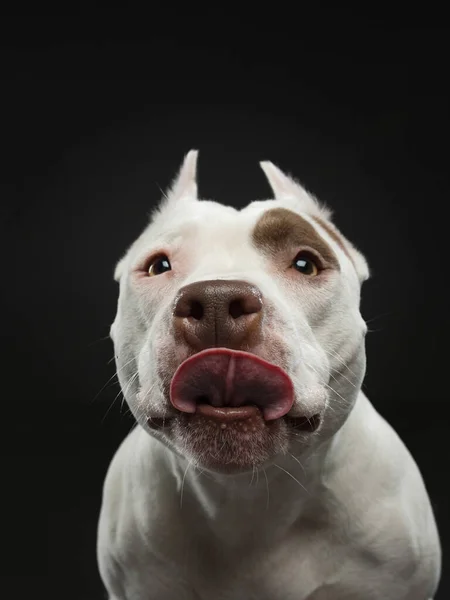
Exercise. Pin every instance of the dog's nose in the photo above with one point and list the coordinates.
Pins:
(219, 314)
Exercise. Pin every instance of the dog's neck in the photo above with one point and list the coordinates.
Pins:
(264, 505)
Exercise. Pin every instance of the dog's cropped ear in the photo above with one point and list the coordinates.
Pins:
(283, 186)
(185, 183)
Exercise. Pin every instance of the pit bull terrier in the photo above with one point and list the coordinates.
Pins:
(258, 469)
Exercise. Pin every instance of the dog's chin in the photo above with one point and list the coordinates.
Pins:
(236, 446)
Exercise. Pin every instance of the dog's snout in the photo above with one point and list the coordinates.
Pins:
(218, 313)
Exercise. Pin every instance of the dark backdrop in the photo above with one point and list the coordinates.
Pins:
(93, 127)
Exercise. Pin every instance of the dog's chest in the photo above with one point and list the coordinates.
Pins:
(315, 566)
(292, 570)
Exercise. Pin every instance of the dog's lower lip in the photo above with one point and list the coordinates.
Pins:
(230, 414)
(226, 414)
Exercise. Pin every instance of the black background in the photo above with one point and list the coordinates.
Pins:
(94, 125)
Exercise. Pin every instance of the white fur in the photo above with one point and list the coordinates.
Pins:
(340, 515)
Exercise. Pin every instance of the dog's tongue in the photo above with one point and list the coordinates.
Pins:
(228, 378)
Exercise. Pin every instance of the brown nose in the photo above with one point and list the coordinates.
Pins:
(218, 314)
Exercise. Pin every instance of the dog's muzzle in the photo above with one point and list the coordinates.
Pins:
(221, 322)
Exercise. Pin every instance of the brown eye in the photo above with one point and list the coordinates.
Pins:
(159, 265)
(305, 265)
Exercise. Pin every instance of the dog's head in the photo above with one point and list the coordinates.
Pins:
(238, 335)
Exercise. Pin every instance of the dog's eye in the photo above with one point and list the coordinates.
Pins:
(159, 265)
(305, 264)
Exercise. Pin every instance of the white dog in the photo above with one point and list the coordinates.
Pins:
(258, 469)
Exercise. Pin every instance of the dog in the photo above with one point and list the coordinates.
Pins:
(258, 469)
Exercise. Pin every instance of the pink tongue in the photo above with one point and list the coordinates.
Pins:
(222, 377)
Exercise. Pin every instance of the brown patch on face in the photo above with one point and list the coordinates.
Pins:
(280, 228)
(333, 235)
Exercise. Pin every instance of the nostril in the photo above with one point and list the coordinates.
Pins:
(196, 310)
(246, 305)
(236, 309)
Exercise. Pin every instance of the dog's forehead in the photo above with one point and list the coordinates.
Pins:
(200, 220)
(266, 224)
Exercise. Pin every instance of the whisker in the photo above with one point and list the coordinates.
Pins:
(326, 384)
(267, 487)
(112, 377)
(290, 475)
(296, 459)
(342, 375)
(337, 393)
(342, 361)
(102, 339)
(162, 191)
(182, 484)
(129, 384)
(337, 357)
(118, 394)
(108, 410)
(386, 314)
